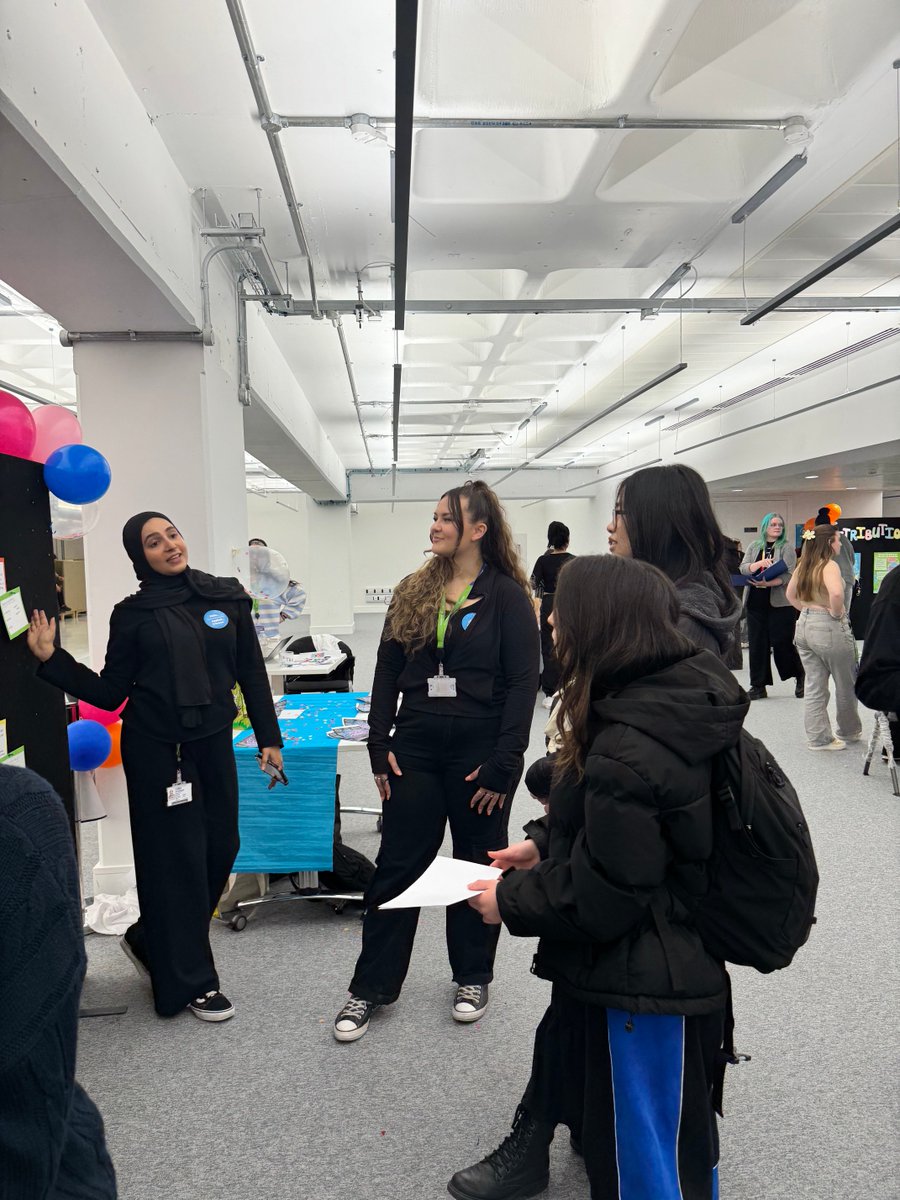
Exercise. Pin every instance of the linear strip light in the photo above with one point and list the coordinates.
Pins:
(599, 417)
(779, 179)
(885, 229)
(395, 411)
(625, 471)
(798, 372)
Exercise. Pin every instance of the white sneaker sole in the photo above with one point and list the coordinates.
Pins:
(134, 960)
(836, 745)
(350, 1035)
(466, 1016)
(224, 1015)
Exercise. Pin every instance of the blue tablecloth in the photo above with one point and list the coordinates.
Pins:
(291, 828)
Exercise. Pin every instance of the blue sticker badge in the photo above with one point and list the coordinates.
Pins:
(467, 620)
(215, 619)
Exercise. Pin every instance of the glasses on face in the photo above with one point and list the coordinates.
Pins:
(616, 513)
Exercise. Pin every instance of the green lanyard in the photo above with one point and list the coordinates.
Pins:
(444, 618)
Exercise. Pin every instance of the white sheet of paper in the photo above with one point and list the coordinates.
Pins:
(14, 616)
(291, 714)
(2, 576)
(445, 882)
(4, 748)
(15, 759)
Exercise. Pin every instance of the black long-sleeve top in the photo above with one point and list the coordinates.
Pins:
(878, 681)
(546, 572)
(137, 668)
(491, 649)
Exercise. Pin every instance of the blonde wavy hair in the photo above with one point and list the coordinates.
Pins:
(817, 552)
(411, 616)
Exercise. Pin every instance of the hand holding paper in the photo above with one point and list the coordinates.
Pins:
(445, 882)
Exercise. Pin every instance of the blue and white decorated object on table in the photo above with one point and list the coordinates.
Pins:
(291, 828)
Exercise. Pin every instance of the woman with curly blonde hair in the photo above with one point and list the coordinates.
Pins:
(461, 645)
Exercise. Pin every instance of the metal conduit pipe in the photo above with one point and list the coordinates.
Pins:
(666, 306)
(779, 124)
(339, 326)
(272, 125)
(68, 338)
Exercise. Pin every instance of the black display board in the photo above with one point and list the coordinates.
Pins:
(35, 712)
(876, 543)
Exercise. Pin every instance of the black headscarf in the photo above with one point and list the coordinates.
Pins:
(166, 595)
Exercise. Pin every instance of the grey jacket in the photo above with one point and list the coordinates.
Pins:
(788, 553)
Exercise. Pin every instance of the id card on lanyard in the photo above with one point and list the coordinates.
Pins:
(442, 685)
(179, 792)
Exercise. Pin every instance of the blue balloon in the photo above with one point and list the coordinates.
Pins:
(77, 474)
(90, 745)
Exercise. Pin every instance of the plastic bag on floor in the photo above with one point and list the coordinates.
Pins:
(113, 914)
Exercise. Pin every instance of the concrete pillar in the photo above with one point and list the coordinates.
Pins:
(167, 418)
(330, 585)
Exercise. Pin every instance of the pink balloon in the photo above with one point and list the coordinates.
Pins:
(17, 429)
(90, 712)
(55, 426)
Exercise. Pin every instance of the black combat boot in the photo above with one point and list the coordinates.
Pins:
(517, 1169)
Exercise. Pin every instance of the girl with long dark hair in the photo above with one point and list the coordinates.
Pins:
(626, 1052)
(771, 619)
(176, 649)
(664, 516)
(543, 581)
(460, 643)
(824, 640)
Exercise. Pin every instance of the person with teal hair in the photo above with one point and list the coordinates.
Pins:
(770, 616)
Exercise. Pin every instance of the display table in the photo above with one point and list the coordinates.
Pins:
(304, 664)
(290, 830)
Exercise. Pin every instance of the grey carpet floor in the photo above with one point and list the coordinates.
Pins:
(270, 1105)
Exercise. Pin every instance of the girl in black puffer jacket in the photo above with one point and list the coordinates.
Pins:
(625, 1054)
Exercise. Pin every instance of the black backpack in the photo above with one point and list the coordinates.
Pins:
(763, 879)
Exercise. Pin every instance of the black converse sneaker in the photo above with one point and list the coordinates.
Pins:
(470, 1002)
(353, 1019)
(212, 1007)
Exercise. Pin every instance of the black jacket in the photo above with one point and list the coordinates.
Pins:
(492, 650)
(51, 1136)
(878, 681)
(137, 667)
(627, 846)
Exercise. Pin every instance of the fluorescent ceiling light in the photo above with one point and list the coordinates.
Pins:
(779, 179)
(885, 229)
(810, 477)
(737, 489)
(687, 404)
(655, 420)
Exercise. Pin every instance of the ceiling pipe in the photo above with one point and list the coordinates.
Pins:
(20, 391)
(686, 304)
(625, 122)
(67, 338)
(272, 125)
(339, 326)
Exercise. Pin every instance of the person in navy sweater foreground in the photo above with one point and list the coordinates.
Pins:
(52, 1145)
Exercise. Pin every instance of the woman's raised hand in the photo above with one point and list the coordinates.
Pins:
(521, 856)
(41, 636)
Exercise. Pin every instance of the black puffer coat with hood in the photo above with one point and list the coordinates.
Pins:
(624, 851)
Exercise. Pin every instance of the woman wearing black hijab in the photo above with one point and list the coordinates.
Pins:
(176, 648)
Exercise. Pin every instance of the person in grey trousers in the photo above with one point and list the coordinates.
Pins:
(845, 557)
(824, 641)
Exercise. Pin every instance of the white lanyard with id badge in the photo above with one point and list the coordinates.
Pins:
(179, 792)
(442, 685)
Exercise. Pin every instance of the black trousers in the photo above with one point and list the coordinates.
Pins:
(771, 630)
(182, 856)
(635, 1089)
(435, 753)
(549, 665)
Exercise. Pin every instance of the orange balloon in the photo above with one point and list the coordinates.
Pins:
(810, 524)
(834, 511)
(115, 755)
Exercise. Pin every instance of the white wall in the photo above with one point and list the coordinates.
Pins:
(281, 522)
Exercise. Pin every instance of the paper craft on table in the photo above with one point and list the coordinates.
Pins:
(14, 616)
(445, 882)
(291, 714)
(15, 759)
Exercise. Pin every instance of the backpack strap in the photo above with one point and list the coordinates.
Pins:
(726, 1056)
